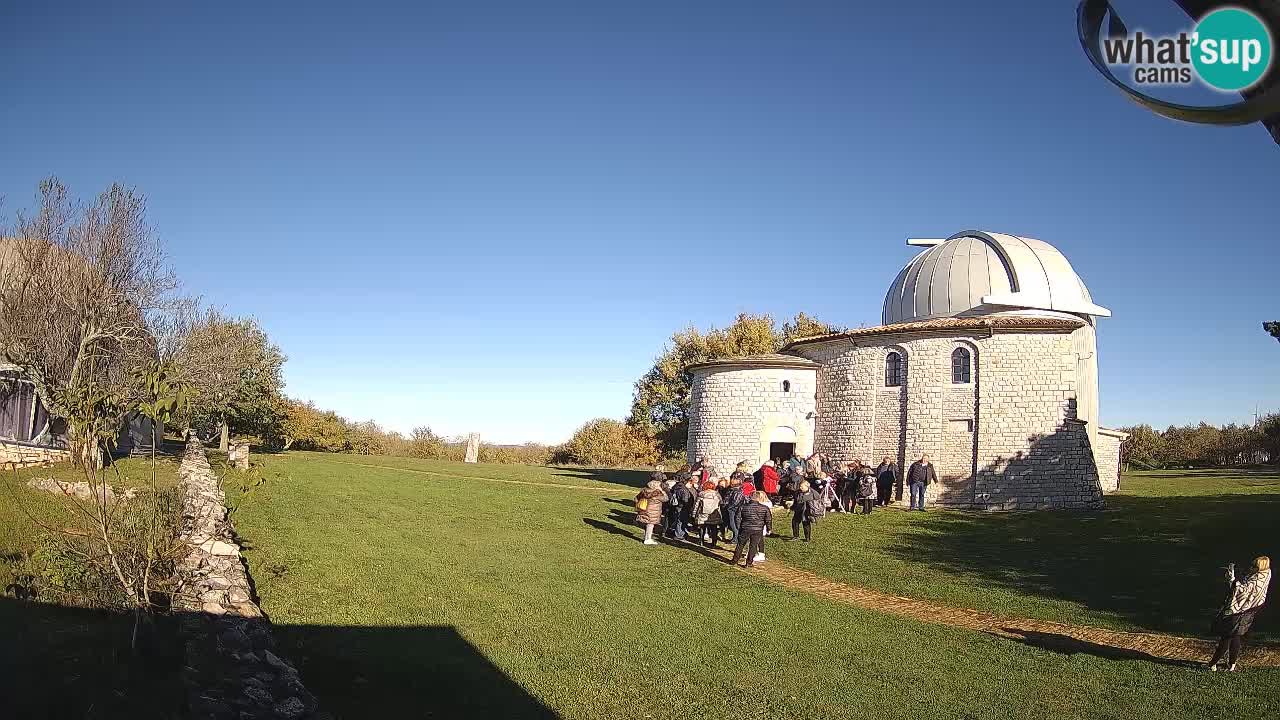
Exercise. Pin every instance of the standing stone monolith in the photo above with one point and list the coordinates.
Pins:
(238, 454)
(473, 448)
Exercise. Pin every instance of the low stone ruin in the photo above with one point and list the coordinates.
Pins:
(232, 668)
(80, 489)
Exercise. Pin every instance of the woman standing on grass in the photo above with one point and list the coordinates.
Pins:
(729, 505)
(649, 504)
(802, 511)
(886, 474)
(849, 488)
(706, 513)
(1235, 618)
(755, 518)
(867, 493)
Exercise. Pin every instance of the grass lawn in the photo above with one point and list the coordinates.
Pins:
(19, 504)
(64, 662)
(408, 590)
(1152, 560)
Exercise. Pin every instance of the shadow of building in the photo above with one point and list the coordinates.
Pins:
(1058, 470)
(60, 662)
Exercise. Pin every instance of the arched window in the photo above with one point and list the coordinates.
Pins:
(786, 386)
(893, 374)
(960, 366)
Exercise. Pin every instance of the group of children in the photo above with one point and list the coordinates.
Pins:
(739, 508)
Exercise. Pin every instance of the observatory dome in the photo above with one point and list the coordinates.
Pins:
(982, 273)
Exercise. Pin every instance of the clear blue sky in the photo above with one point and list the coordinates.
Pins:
(490, 217)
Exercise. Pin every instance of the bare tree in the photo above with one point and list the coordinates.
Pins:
(88, 311)
(80, 286)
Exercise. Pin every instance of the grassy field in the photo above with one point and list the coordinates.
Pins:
(21, 506)
(1152, 560)
(405, 588)
(66, 662)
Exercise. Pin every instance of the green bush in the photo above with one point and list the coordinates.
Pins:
(70, 566)
(609, 443)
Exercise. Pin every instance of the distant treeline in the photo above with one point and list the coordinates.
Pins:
(1203, 445)
(303, 426)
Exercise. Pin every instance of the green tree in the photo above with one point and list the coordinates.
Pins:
(235, 371)
(1269, 429)
(1144, 448)
(608, 443)
(803, 326)
(367, 438)
(1272, 328)
(1238, 443)
(305, 427)
(424, 443)
(660, 403)
(1193, 445)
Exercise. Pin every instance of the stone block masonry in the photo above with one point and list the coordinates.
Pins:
(1108, 451)
(238, 455)
(1012, 438)
(739, 411)
(20, 455)
(233, 669)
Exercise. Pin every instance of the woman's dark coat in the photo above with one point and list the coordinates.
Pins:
(754, 516)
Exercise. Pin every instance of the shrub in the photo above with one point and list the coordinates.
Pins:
(609, 443)
(69, 567)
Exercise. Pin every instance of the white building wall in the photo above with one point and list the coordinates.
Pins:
(1007, 440)
(736, 411)
(1108, 452)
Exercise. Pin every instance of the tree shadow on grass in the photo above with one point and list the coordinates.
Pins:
(1155, 562)
(631, 478)
(58, 662)
(624, 520)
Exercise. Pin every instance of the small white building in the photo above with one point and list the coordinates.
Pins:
(986, 359)
(29, 435)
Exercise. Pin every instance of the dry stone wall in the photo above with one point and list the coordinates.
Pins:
(232, 668)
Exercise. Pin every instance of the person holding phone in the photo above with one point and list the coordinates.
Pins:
(1244, 599)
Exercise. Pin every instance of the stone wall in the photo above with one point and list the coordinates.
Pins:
(1108, 453)
(1029, 445)
(737, 411)
(232, 668)
(1006, 440)
(848, 399)
(20, 455)
(859, 417)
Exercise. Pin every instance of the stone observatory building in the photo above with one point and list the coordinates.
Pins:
(986, 359)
